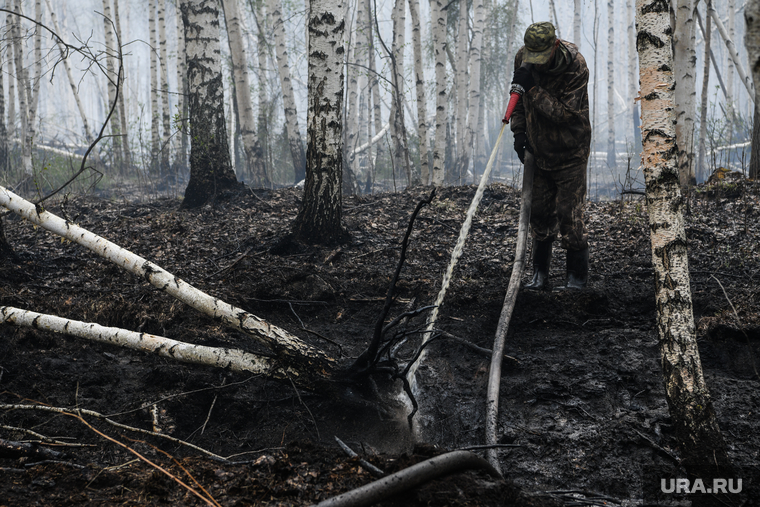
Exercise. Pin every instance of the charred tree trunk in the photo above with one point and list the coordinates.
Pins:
(210, 167)
(319, 219)
(752, 43)
(694, 420)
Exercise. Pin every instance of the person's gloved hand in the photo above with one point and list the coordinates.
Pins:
(521, 144)
(524, 78)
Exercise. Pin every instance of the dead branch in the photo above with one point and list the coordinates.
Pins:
(366, 464)
(13, 449)
(411, 477)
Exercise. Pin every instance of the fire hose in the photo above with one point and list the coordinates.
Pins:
(514, 282)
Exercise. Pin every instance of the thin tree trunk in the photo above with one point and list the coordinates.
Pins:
(12, 132)
(122, 107)
(611, 155)
(375, 89)
(182, 97)
(351, 132)
(506, 152)
(112, 77)
(254, 154)
(730, 69)
(4, 162)
(210, 168)
(155, 137)
(701, 170)
(438, 16)
(24, 92)
(732, 51)
(295, 142)
(684, 60)
(696, 428)
(633, 81)
(398, 125)
(473, 92)
(166, 127)
(419, 80)
(752, 43)
(263, 129)
(460, 120)
(319, 219)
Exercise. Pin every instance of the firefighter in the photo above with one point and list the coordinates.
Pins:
(551, 121)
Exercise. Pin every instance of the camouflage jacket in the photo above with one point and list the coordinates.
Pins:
(554, 113)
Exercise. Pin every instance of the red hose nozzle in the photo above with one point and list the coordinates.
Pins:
(514, 95)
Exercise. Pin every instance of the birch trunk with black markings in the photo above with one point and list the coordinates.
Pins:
(689, 401)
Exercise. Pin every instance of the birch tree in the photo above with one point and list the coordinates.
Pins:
(155, 136)
(473, 91)
(112, 78)
(3, 137)
(684, 60)
(398, 124)
(611, 157)
(288, 97)
(254, 155)
(701, 153)
(210, 167)
(696, 429)
(261, 53)
(633, 63)
(460, 93)
(419, 82)
(752, 43)
(182, 95)
(577, 9)
(730, 68)
(165, 110)
(319, 219)
(438, 16)
(122, 97)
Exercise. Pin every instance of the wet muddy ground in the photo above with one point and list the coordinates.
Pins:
(582, 401)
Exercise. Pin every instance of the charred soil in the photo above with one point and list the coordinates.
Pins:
(583, 410)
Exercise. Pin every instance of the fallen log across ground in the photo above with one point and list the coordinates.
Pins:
(307, 365)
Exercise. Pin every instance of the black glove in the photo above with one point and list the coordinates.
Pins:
(521, 144)
(524, 78)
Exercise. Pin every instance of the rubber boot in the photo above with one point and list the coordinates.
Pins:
(542, 256)
(577, 269)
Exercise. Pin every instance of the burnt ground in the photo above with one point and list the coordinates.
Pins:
(582, 400)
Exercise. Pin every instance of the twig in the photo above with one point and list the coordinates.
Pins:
(208, 416)
(490, 446)
(47, 440)
(369, 357)
(13, 449)
(366, 464)
(658, 447)
(303, 326)
(98, 415)
(210, 501)
(313, 420)
(240, 258)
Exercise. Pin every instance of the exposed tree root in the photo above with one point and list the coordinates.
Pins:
(411, 477)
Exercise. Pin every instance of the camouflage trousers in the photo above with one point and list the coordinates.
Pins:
(558, 206)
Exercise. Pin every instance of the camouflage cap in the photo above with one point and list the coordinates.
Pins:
(539, 42)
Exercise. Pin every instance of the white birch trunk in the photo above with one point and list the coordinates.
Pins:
(633, 81)
(701, 170)
(319, 219)
(438, 18)
(262, 135)
(12, 131)
(611, 157)
(473, 92)
(251, 142)
(24, 88)
(166, 127)
(398, 131)
(182, 95)
(155, 136)
(684, 60)
(460, 96)
(730, 68)
(732, 52)
(419, 81)
(122, 107)
(288, 97)
(375, 90)
(231, 359)
(688, 398)
(351, 132)
(112, 78)
(276, 339)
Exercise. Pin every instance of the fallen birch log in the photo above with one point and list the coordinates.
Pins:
(232, 359)
(308, 363)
